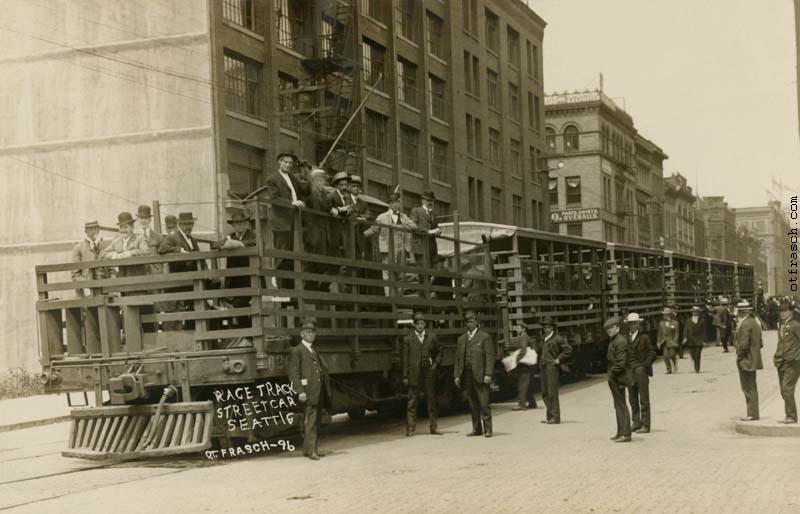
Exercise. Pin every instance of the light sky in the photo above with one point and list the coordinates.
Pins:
(712, 82)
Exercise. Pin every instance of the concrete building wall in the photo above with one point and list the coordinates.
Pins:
(103, 106)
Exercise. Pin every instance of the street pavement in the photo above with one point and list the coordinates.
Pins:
(693, 461)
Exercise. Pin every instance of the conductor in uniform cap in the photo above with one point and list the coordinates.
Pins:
(309, 378)
(553, 356)
(473, 369)
(747, 342)
(619, 377)
(640, 361)
(787, 359)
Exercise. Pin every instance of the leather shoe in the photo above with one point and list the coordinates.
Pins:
(436, 432)
(487, 434)
(787, 421)
(519, 407)
(615, 437)
(474, 434)
(636, 428)
(409, 433)
(643, 430)
(545, 421)
(748, 418)
(553, 422)
(623, 439)
(531, 406)
(313, 456)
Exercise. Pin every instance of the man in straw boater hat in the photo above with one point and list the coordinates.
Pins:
(640, 360)
(694, 336)
(308, 375)
(424, 241)
(619, 377)
(787, 359)
(87, 250)
(668, 339)
(554, 354)
(747, 342)
(127, 244)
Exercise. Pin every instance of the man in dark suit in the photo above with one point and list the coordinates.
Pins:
(554, 354)
(787, 359)
(361, 215)
(308, 375)
(421, 359)
(241, 237)
(721, 323)
(694, 335)
(747, 342)
(424, 240)
(341, 209)
(473, 370)
(182, 242)
(284, 188)
(640, 361)
(619, 377)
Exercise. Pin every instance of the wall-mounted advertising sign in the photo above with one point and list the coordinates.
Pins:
(575, 215)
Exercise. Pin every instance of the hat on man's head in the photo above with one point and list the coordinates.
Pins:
(124, 218)
(342, 175)
(144, 212)
(695, 308)
(785, 306)
(666, 311)
(355, 179)
(186, 217)
(744, 305)
(724, 301)
(309, 324)
(548, 321)
(428, 195)
(238, 215)
(286, 153)
(611, 322)
(394, 197)
(633, 318)
(171, 221)
(91, 224)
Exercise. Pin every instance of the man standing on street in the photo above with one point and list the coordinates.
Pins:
(523, 343)
(640, 361)
(619, 377)
(668, 340)
(421, 359)
(747, 342)
(473, 369)
(787, 359)
(308, 375)
(694, 336)
(553, 357)
(721, 323)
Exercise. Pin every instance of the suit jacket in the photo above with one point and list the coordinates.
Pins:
(308, 374)
(617, 359)
(668, 333)
(642, 353)
(402, 239)
(339, 224)
(282, 217)
(788, 349)
(363, 244)
(425, 221)
(418, 355)
(319, 234)
(153, 240)
(480, 353)
(248, 238)
(720, 316)
(135, 245)
(174, 243)
(747, 342)
(555, 348)
(85, 252)
(694, 333)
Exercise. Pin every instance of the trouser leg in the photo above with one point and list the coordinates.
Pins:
(697, 352)
(553, 375)
(529, 392)
(470, 387)
(411, 408)
(633, 399)
(643, 390)
(483, 392)
(310, 429)
(430, 397)
(523, 384)
(673, 355)
(724, 338)
(620, 407)
(747, 379)
(788, 374)
(667, 359)
(543, 386)
(284, 240)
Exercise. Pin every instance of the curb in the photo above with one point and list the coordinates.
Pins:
(33, 423)
(748, 428)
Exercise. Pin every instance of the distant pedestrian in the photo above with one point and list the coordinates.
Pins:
(554, 355)
(669, 340)
(525, 399)
(421, 359)
(640, 361)
(787, 359)
(694, 336)
(473, 370)
(619, 377)
(747, 342)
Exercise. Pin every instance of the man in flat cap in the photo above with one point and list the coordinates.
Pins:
(694, 336)
(554, 353)
(640, 360)
(420, 363)
(747, 342)
(787, 359)
(619, 377)
(473, 368)
(668, 340)
(308, 375)
(86, 251)
(424, 240)
(127, 244)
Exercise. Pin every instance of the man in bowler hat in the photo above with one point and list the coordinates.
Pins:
(421, 359)
(474, 365)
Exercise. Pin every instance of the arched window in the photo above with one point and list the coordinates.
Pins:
(571, 139)
(550, 139)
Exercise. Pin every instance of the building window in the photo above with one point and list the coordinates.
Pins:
(516, 159)
(239, 12)
(492, 31)
(472, 200)
(536, 214)
(492, 90)
(573, 190)
(439, 160)
(470, 136)
(406, 16)
(516, 210)
(535, 56)
(408, 82)
(245, 168)
(533, 164)
(376, 137)
(607, 201)
(575, 229)
(552, 193)
(529, 57)
(497, 205)
(472, 74)
(494, 148)
(374, 55)
(550, 139)
(537, 113)
(513, 101)
(409, 148)
(289, 100)
(531, 113)
(470, 12)
(437, 91)
(467, 72)
(476, 76)
(513, 46)
(374, 9)
(571, 139)
(291, 19)
(474, 142)
(241, 85)
(435, 36)
(478, 139)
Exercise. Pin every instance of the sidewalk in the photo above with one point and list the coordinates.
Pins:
(19, 413)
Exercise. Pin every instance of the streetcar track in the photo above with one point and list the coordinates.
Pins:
(50, 475)
(30, 457)
(60, 441)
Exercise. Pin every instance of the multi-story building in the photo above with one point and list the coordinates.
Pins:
(679, 213)
(720, 223)
(700, 239)
(609, 187)
(188, 102)
(769, 225)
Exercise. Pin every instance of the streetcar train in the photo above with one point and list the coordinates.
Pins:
(155, 373)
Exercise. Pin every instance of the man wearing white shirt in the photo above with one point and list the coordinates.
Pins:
(421, 359)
